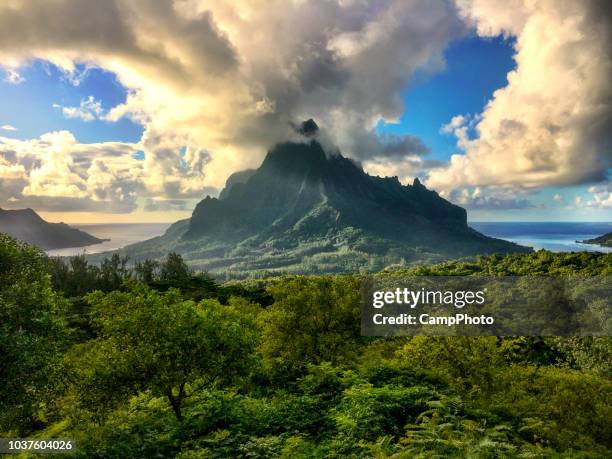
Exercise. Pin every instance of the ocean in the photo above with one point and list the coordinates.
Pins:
(120, 235)
(553, 236)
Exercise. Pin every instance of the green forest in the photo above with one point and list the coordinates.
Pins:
(153, 360)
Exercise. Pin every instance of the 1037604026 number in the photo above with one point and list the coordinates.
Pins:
(19, 445)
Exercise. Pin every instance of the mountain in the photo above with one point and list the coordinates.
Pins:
(26, 225)
(305, 210)
(604, 241)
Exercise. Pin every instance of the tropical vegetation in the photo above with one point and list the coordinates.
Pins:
(154, 360)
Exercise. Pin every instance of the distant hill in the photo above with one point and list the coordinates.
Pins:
(26, 225)
(605, 240)
(305, 210)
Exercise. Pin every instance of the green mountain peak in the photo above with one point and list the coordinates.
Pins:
(305, 210)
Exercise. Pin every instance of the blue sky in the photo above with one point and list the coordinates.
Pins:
(475, 68)
(29, 106)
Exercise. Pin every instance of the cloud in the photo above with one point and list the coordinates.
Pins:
(153, 205)
(225, 78)
(9, 171)
(216, 82)
(88, 110)
(602, 196)
(8, 127)
(12, 76)
(552, 123)
(55, 172)
(405, 168)
(393, 145)
(489, 198)
(557, 198)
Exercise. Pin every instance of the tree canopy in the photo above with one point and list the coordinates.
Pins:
(32, 334)
(153, 360)
(160, 342)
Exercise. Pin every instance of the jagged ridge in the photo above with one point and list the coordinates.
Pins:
(307, 211)
(295, 178)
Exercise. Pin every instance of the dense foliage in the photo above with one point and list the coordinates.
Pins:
(154, 360)
(32, 334)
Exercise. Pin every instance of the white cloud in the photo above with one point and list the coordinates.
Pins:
(8, 127)
(455, 123)
(12, 76)
(490, 198)
(56, 175)
(89, 109)
(405, 168)
(560, 201)
(55, 172)
(10, 171)
(551, 124)
(602, 196)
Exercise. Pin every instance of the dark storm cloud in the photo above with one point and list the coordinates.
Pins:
(393, 145)
(88, 27)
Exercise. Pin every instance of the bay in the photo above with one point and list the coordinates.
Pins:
(553, 236)
(120, 235)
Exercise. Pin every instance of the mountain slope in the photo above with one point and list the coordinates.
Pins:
(306, 211)
(26, 225)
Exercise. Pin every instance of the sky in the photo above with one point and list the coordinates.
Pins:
(133, 111)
